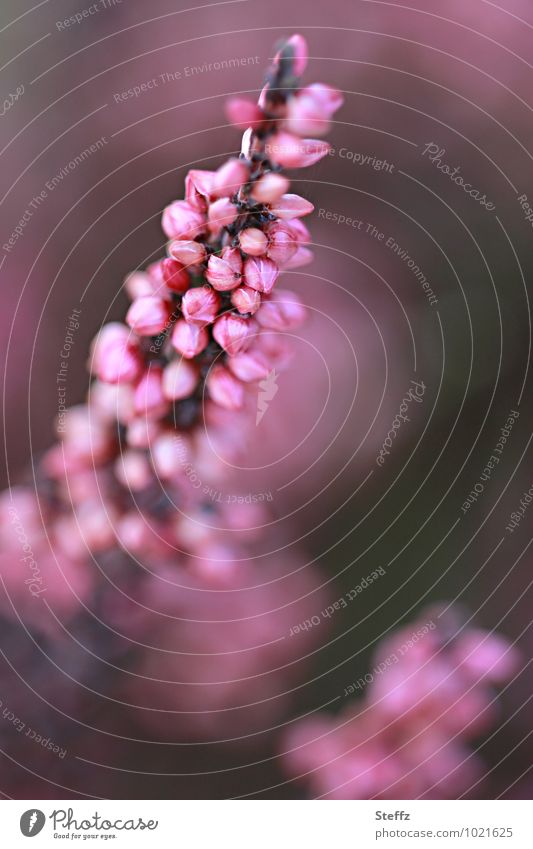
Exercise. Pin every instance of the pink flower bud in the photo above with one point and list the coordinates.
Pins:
(175, 276)
(243, 113)
(289, 151)
(260, 274)
(149, 400)
(112, 401)
(250, 366)
(221, 214)
(291, 206)
(306, 118)
(180, 379)
(246, 300)
(232, 332)
(225, 389)
(85, 435)
(187, 252)
(142, 432)
(303, 256)
(276, 349)
(302, 234)
(298, 50)
(189, 339)
(309, 112)
(115, 355)
(269, 187)
(182, 221)
(485, 654)
(253, 241)
(284, 311)
(200, 305)
(224, 272)
(169, 454)
(230, 177)
(215, 564)
(282, 244)
(155, 273)
(95, 523)
(198, 187)
(148, 316)
(132, 470)
(138, 284)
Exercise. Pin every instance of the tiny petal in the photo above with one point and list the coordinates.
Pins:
(225, 389)
(189, 339)
(133, 470)
(149, 399)
(141, 432)
(296, 48)
(224, 272)
(243, 113)
(180, 379)
(269, 187)
(303, 256)
(230, 177)
(250, 366)
(148, 316)
(138, 284)
(187, 252)
(291, 206)
(284, 311)
(306, 118)
(246, 300)
(253, 241)
(289, 151)
(282, 244)
(115, 355)
(198, 187)
(310, 111)
(300, 52)
(260, 274)
(302, 234)
(329, 98)
(157, 278)
(85, 435)
(221, 214)
(175, 276)
(168, 454)
(276, 348)
(182, 221)
(113, 401)
(232, 332)
(200, 305)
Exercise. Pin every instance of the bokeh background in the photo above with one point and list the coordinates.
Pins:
(446, 73)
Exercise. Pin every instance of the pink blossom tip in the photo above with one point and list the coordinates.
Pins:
(224, 389)
(260, 273)
(148, 315)
(200, 305)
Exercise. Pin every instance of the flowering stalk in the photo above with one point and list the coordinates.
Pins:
(203, 323)
(172, 388)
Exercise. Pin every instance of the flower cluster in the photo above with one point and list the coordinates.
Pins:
(209, 310)
(429, 693)
(172, 388)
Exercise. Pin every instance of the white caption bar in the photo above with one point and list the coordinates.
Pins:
(264, 824)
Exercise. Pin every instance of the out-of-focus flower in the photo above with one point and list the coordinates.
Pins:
(421, 704)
